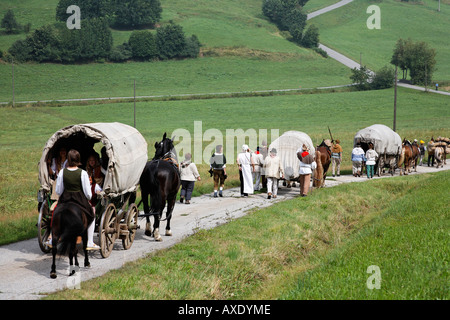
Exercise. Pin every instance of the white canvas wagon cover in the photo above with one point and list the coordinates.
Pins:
(384, 139)
(287, 145)
(125, 147)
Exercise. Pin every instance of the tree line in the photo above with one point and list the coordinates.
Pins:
(94, 42)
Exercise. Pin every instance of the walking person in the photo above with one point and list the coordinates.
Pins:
(430, 149)
(422, 152)
(273, 172)
(218, 164)
(357, 160)
(258, 160)
(189, 174)
(371, 157)
(307, 165)
(336, 157)
(246, 167)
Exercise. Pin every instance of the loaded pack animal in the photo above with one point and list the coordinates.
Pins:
(68, 223)
(441, 149)
(440, 156)
(405, 158)
(161, 181)
(323, 160)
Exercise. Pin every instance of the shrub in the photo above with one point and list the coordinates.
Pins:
(143, 45)
(170, 41)
(89, 9)
(361, 78)
(20, 51)
(137, 13)
(192, 48)
(383, 79)
(311, 37)
(121, 53)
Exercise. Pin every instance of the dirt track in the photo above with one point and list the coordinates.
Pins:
(24, 269)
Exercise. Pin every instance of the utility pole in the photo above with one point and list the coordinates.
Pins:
(13, 89)
(395, 99)
(135, 103)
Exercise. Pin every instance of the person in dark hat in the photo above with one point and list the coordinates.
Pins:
(307, 165)
(273, 171)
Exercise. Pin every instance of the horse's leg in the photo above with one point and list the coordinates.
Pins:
(156, 234)
(170, 207)
(148, 227)
(86, 256)
(54, 252)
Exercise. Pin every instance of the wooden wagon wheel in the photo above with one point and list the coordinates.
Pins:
(108, 230)
(132, 226)
(43, 225)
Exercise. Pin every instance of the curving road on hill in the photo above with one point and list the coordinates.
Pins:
(351, 63)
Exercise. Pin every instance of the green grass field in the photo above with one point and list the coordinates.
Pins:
(314, 248)
(345, 30)
(203, 75)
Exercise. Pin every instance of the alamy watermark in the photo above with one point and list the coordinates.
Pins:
(74, 21)
(232, 141)
(374, 21)
(374, 280)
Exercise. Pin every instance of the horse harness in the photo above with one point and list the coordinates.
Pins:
(169, 157)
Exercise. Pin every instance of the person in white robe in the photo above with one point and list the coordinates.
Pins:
(246, 167)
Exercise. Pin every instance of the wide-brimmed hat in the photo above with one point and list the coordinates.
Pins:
(273, 150)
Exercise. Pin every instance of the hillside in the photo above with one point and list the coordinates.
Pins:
(241, 51)
(345, 30)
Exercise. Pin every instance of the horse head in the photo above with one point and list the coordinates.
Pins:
(163, 147)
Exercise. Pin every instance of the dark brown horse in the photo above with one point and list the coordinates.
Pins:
(161, 180)
(69, 222)
(323, 160)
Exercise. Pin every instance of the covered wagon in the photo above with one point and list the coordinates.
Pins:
(124, 155)
(287, 145)
(387, 143)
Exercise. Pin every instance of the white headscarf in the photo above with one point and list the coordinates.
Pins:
(244, 147)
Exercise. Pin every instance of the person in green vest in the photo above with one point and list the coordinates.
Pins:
(73, 186)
